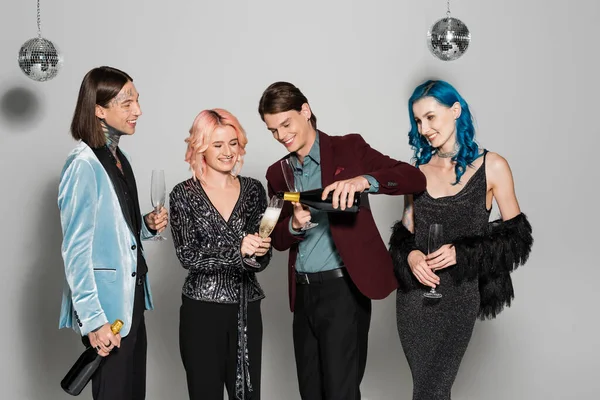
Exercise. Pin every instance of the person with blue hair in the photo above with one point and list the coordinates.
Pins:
(472, 269)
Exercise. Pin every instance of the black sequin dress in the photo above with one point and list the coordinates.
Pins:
(435, 333)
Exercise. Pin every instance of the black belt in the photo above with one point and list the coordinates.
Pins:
(319, 277)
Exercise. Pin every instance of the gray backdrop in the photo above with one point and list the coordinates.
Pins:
(530, 76)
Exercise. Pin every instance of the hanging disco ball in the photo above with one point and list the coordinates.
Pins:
(448, 39)
(40, 59)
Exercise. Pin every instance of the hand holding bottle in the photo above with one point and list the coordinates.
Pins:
(90, 360)
(104, 340)
(313, 199)
(343, 191)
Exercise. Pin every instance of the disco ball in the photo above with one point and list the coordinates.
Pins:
(40, 59)
(448, 39)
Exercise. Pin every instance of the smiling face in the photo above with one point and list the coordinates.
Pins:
(222, 152)
(436, 122)
(123, 110)
(292, 129)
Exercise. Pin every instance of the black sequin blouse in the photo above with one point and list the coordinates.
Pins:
(209, 247)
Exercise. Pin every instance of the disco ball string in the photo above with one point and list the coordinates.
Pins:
(39, 58)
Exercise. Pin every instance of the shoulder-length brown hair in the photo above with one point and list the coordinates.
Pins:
(99, 87)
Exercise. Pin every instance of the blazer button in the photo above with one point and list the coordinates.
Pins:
(80, 324)
(133, 274)
(133, 247)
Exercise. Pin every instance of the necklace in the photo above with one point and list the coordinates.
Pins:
(450, 154)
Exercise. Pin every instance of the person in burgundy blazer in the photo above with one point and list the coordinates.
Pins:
(336, 268)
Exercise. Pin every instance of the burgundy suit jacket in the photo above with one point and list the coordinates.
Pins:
(355, 235)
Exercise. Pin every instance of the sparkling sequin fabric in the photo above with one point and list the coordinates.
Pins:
(209, 247)
(435, 333)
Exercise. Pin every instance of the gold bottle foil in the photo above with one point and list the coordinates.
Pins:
(116, 326)
(291, 196)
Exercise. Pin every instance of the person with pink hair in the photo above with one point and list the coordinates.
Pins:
(215, 216)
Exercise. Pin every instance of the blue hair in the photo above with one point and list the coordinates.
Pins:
(446, 95)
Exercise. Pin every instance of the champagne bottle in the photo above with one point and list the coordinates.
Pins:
(81, 372)
(312, 198)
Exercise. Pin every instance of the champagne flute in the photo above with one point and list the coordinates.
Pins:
(158, 194)
(288, 174)
(435, 241)
(267, 224)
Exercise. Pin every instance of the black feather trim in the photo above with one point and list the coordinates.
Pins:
(402, 242)
(503, 248)
(495, 294)
(491, 258)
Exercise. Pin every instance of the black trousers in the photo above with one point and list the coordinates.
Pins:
(122, 375)
(331, 331)
(208, 344)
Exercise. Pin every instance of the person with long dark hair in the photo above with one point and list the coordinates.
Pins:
(106, 274)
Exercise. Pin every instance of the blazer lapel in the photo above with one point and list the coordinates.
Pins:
(112, 171)
(327, 159)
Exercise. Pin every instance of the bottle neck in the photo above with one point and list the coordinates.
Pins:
(291, 196)
(116, 326)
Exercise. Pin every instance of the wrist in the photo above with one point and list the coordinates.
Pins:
(367, 184)
(412, 255)
(294, 230)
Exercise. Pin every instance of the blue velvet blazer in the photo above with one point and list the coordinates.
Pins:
(98, 247)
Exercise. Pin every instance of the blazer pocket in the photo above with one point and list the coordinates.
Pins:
(342, 174)
(107, 275)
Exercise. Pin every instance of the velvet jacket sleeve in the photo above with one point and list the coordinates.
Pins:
(77, 202)
(394, 177)
(146, 232)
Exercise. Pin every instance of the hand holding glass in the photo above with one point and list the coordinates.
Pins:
(435, 241)
(288, 174)
(158, 194)
(267, 224)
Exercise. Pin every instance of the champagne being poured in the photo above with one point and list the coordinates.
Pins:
(312, 198)
(267, 224)
(268, 221)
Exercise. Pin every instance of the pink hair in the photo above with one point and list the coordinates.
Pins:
(202, 129)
